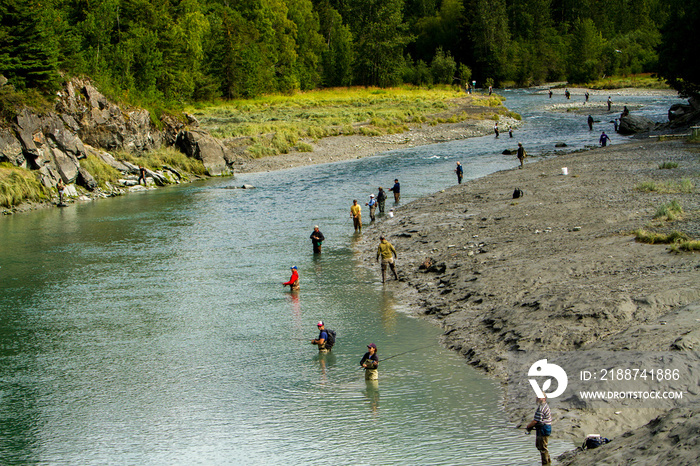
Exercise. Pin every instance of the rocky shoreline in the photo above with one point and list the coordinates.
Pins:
(558, 270)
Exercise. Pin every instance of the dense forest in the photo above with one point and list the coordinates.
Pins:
(188, 50)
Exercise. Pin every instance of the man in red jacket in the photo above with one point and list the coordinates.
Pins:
(294, 280)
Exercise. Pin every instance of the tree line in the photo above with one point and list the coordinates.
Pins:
(189, 50)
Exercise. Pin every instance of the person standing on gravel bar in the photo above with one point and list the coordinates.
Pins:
(542, 423)
(495, 129)
(293, 280)
(396, 189)
(590, 123)
(381, 199)
(372, 207)
(521, 154)
(370, 361)
(317, 239)
(356, 215)
(604, 139)
(387, 253)
(460, 172)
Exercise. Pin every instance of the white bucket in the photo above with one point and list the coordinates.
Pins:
(564, 171)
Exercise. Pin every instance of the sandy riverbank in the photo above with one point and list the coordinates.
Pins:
(558, 270)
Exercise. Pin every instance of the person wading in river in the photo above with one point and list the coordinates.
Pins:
(460, 172)
(372, 207)
(356, 215)
(294, 280)
(317, 239)
(322, 338)
(542, 422)
(370, 362)
(381, 199)
(387, 253)
(396, 189)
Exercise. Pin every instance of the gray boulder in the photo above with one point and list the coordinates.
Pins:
(66, 165)
(202, 146)
(11, 149)
(633, 124)
(86, 180)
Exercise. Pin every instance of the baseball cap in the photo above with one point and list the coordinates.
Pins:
(372, 345)
(320, 323)
(293, 267)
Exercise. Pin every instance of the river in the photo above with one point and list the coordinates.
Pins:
(153, 328)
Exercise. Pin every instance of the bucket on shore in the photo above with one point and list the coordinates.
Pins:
(564, 171)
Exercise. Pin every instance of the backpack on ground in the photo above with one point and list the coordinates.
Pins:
(518, 193)
(593, 441)
(330, 341)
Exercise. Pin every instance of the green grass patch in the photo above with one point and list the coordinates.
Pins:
(304, 147)
(649, 237)
(154, 160)
(337, 111)
(670, 211)
(668, 165)
(668, 187)
(686, 246)
(101, 171)
(641, 81)
(18, 185)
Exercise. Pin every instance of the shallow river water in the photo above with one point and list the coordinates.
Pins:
(153, 328)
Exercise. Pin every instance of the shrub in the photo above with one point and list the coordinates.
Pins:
(668, 165)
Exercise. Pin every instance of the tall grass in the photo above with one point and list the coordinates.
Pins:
(101, 171)
(18, 185)
(338, 111)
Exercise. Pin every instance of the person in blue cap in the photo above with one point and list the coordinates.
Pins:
(294, 280)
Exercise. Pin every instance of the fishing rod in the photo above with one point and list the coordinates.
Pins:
(409, 351)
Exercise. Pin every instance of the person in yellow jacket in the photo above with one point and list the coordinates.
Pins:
(356, 214)
(387, 252)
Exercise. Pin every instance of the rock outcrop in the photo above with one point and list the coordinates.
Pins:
(85, 122)
(633, 124)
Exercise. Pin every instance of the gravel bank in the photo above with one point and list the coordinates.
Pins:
(558, 270)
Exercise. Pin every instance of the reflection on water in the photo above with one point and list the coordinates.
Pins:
(154, 328)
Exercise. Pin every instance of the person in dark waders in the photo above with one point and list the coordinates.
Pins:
(317, 239)
(604, 139)
(460, 172)
(142, 174)
(521, 154)
(381, 199)
(590, 123)
(294, 279)
(370, 362)
(542, 423)
(387, 253)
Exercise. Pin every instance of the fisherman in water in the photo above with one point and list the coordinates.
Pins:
(294, 280)
(370, 362)
(317, 239)
(322, 338)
